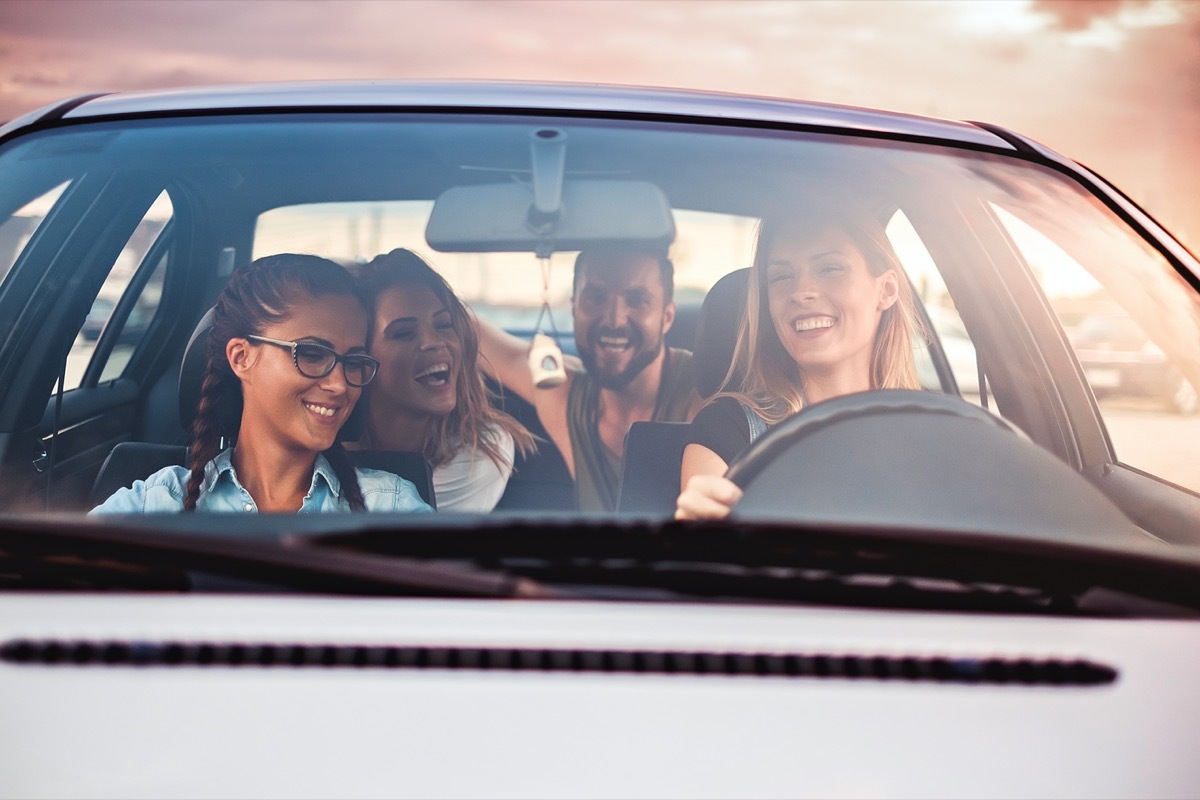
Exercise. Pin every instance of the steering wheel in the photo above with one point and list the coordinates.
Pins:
(918, 460)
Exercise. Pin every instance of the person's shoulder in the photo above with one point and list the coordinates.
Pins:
(499, 436)
(721, 405)
(386, 491)
(162, 491)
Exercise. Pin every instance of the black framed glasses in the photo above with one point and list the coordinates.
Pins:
(314, 360)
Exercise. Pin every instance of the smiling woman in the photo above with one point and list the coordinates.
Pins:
(829, 313)
(430, 396)
(280, 330)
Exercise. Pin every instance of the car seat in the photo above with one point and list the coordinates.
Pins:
(131, 461)
(654, 450)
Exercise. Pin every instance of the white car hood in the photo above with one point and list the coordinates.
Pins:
(282, 731)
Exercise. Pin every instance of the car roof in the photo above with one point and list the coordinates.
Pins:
(507, 95)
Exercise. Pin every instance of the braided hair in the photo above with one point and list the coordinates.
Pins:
(258, 295)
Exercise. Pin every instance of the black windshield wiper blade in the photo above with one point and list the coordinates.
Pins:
(743, 560)
(133, 554)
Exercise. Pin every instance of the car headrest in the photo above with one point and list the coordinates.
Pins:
(191, 378)
(191, 371)
(717, 330)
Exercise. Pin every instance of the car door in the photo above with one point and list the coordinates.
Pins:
(1028, 259)
(90, 297)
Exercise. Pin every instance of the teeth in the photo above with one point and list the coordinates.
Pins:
(609, 341)
(433, 370)
(813, 323)
(322, 410)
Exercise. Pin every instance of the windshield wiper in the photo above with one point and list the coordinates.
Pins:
(841, 565)
(65, 552)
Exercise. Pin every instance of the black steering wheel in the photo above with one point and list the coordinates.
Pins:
(918, 460)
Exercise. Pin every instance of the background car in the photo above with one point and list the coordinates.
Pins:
(1119, 359)
(921, 593)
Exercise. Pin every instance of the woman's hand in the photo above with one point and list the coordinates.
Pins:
(707, 497)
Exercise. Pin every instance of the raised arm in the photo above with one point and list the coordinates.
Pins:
(505, 358)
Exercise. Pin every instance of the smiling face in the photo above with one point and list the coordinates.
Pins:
(420, 350)
(301, 414)
(824, 302)
(621, 315)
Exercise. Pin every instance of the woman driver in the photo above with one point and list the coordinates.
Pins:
(287, 361)
(430, 396)
(839, 319)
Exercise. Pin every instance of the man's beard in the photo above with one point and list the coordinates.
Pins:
(642, 357)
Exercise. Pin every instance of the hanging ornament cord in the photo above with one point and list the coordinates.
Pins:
(544, 262)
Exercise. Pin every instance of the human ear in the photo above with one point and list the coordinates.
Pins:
(668, 316)
(889, 289)
(240, 355)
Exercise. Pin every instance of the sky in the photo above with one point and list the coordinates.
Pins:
(1114, 84)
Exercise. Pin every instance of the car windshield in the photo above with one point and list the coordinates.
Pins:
(1041, 300)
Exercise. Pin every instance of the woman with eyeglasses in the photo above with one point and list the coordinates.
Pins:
(287, 361)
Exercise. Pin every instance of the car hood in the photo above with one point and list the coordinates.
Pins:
(341, 728)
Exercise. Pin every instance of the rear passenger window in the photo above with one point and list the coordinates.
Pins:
(126, 305)
(707, 245)
(18, 229)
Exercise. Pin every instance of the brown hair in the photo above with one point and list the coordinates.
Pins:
(258, 295)
(467, 424)
(763, 375)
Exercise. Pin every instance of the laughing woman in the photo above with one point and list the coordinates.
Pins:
(430, 396)
(829, 312)
(287, 361)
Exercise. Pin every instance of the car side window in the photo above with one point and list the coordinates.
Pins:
(1133, 332)
(931, 292)
(18, 229)
(115, 320)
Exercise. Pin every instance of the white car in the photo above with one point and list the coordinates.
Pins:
(919, 596)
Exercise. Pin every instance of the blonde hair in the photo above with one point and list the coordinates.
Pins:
(763, 375)
(469, 423)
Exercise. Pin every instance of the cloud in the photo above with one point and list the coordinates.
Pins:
(1078, 15)
(1027, 65)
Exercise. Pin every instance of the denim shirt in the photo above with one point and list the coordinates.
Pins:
(221, 491)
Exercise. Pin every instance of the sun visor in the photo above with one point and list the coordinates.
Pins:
(504, 218)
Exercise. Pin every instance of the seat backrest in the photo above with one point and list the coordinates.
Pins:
(408, 465)
(653, 455)
(717, 329)
(132, 461)
(650, 467)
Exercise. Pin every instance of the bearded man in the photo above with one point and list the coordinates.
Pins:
(623, 307)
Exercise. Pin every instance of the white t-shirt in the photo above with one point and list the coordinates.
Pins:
(472, 481)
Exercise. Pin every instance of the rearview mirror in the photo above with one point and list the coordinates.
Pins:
(502, 218)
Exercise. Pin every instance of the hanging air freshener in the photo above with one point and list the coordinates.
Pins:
(545, 356)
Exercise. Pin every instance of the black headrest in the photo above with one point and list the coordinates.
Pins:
(717, 329)
(191, 378)
(191, 371)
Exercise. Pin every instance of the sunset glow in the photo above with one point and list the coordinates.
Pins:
(1114, 84)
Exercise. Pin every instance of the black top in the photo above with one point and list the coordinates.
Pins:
(721, 426)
